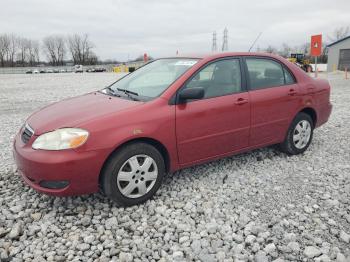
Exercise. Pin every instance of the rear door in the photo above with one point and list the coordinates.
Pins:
(219, 123)
(274, 97)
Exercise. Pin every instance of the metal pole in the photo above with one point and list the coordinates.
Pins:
(316, 70)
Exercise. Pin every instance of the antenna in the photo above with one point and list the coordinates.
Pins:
(214, 47)
(225, 40)
(256, 39)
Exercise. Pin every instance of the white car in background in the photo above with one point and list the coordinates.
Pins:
(78, 69)
(36, 71)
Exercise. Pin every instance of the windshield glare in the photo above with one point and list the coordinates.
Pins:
(154, 78)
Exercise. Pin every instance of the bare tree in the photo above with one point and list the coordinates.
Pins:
(12, 49)
(23, 50)
(36, 52)
(33, 52)
(4, 48)
(270, 49)
(55, 49)
(339, 33)
(305, 48)
(80, 48)
(285, 50)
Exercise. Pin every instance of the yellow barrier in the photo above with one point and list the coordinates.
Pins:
(121, 69)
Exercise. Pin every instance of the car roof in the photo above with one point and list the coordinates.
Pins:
(211, 56)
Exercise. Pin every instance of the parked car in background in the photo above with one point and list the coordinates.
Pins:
(78, 69)
(29, 72)
(56, 70)
(90, 70)
(36, 71)
(63, 70)
(169, 114)
(42, 71)
(49, 70)
(100, 69)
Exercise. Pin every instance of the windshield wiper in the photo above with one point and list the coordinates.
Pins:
(111, 91)
(129, 93)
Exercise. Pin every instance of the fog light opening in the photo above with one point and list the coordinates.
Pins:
(54, 184)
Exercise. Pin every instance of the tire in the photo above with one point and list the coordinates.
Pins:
(125, 180)
(291, 145)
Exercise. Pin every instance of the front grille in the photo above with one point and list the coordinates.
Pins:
(27, 133)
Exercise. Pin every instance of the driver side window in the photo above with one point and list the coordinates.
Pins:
(219, 78)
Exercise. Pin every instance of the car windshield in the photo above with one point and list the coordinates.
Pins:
(152, 79)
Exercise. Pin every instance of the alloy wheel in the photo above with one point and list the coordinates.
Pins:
(302, 134)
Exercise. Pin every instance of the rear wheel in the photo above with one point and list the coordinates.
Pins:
(133, 174)
(299, 135)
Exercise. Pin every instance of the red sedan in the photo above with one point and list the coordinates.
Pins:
(169, 114)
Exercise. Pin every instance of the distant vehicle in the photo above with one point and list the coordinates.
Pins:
(90, 70)
(36, 71)
(78, 69)
(301, 61)
(29, 72)
(56, 70)
(100, 69)
(42, 71)
(170, 114)
(49, 70)
(63, 70)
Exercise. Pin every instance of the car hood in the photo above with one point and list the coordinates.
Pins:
(75, 111)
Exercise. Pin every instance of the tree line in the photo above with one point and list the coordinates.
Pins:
(58, 49)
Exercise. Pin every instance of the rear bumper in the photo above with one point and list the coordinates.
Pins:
(71, 172)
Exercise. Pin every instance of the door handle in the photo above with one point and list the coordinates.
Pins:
(292, 92)
(241, 101)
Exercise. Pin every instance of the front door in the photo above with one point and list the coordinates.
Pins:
(218, 123)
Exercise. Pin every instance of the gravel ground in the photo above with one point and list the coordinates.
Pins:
(258, 206)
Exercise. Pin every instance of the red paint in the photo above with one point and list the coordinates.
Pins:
(316, 45)
(192, 133)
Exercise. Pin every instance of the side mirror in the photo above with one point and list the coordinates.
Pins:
(191, 93)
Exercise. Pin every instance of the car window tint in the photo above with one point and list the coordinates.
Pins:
(264, 73)
(219, 78)
(289, 79)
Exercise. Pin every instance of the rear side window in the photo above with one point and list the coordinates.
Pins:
(265, 73)
(289, 79)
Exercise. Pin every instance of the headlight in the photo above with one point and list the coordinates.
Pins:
(64, 138)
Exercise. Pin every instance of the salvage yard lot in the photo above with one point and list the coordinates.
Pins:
(260, 205)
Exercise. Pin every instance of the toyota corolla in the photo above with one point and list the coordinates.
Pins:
(169, 114)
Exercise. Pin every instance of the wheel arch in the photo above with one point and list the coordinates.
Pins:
(151, 141)
(311, 112)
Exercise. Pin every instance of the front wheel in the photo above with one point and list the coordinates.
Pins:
(133, 174)
(299, 135)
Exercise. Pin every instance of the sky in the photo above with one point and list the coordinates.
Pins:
(123, 30)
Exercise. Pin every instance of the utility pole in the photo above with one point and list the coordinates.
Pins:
(225, 41)
(214, 47)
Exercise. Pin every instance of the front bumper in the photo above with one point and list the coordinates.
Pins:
(74, 172)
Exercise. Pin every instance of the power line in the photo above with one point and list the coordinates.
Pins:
(225, 40)
(214, 46)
